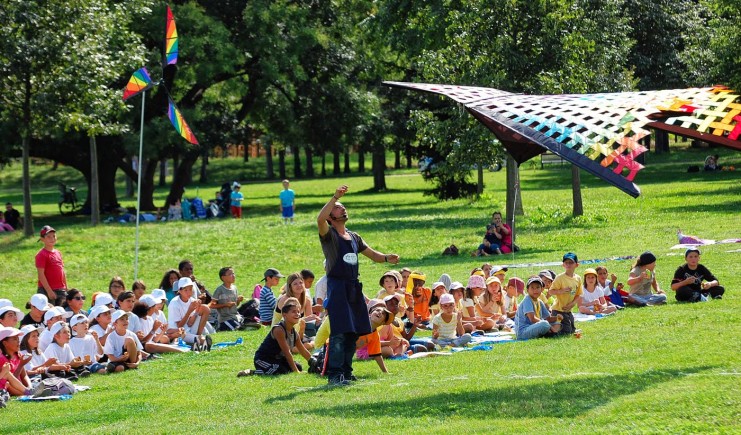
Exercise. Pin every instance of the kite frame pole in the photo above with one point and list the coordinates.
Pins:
(139, 189)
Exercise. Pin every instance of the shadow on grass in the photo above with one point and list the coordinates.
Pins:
(565, 398)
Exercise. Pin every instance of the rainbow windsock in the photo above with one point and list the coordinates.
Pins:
(171, 39)
(177, 120)
(138, 83)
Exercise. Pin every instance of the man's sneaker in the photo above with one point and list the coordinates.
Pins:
(352, 378)
(338, 381)
(718, 297)
(196, 346)
(84, 373)
(208, 343)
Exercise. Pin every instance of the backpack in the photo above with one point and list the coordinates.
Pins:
(54, 387)
(249, 311)
(451, 250)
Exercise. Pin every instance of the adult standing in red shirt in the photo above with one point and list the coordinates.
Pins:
(52, 279)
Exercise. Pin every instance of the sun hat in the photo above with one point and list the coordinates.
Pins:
(590, 271)
(498, 269)
(438, 284)
(28, 329)
(57, 327)
(392, 274)
(492, 279)
(8, 332)
(396, 296)
(374, 303)
(517, 283)
(455, 285)
(476, 281)
(447, 298)
(6, 305)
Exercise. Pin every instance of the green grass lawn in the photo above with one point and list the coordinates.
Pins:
(669, 369)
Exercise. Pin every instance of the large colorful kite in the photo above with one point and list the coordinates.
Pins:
(599, 133)
(141, 82)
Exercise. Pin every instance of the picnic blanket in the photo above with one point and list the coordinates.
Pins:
(687, 241)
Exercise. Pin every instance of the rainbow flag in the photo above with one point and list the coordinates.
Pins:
(138, 83)
(171, 39)
(177, 120)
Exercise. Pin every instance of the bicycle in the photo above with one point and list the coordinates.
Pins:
(68, 204)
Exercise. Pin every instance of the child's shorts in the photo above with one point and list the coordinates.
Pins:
(288, 211)
(94, 367)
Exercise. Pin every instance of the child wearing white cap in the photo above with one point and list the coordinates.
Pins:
(100, 322)
(51, 317)
(39, 304)
(8, 314)
(60, 349)
(122, 347)
(152, 334)
(161, 297)
(85, 344)
(37, 365)
(188, 314)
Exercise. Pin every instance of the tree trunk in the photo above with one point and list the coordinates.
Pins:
(480, 180)
(408, 153)
(397, 159)
(180, 177)
(335, 162)
(361, 160)
(270, 173)
(129, 181)
(297, 162)
(204, 164)
(146, 200)
(28, 229)
(347, 160)
(324, 164)
(94, 183)
(379, 168)
(163, 173)
(282, 164)
(514, 198)
(576, 191)
(309, 162)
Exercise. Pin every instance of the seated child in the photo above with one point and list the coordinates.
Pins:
(9, 315)
(390, 284)
(567, 288)
(37, 365)
(533, 319)
(191, 315)
(60, 350)
(491, 304)
(515, 287)
(274, 356)
(100, 322)
(607, 286)
(447, 327)
(86, 346)
(490, 244)
(476, 287)
(51, 317)
(226, 300)
(693, 281)
(13, 378)
(438, 289)
(122, 347)
(421, 296)
(397, 337)
(369, 346)
(643, 279)
(152, 333)
(593, 299)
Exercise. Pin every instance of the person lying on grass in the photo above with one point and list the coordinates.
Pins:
(533, 320)
(274, 357)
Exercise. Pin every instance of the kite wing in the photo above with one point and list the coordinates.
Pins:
(177, 120)
(171, 39)
(599, 133)
(138, 83)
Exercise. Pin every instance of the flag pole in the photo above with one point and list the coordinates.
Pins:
(139, 189)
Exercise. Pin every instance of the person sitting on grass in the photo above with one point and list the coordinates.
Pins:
(608, 287)
(515, 286)
(491, 305)
(60, 350)
(226, 300)
(476, 287)
(438, 289)
(421, 296)
(152, 332)
(37, 365)
(168, 283)
(51, 317)
(86, 346)
(39, 304)
(267, 297)
(398, 336)
(100, 322)
(188, 314)
(274, 356)
(123, 348)
(115, 287)
(567, 287)
(490, 244)
(10, 354)
(9, 314)
(368, 346)
(294, 288)
(447, 327)
(693, 282)
(533, 320)
(643, 279)
(593, 297)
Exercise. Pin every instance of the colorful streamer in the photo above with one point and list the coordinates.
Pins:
(138, 83)
(177, 120)
(171, 39)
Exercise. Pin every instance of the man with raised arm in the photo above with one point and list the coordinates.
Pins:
(345, 301)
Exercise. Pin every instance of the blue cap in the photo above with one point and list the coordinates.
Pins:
(570, 256)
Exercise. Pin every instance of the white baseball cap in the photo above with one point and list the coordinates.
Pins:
(41, 302)
(149, 300)
(160, 294)
(103, 299)
(28, 329)
(57, 327)
(77, 318)
(117, 315)
(98, 310)
(54, 312)
(184, 282)
(8, 332)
